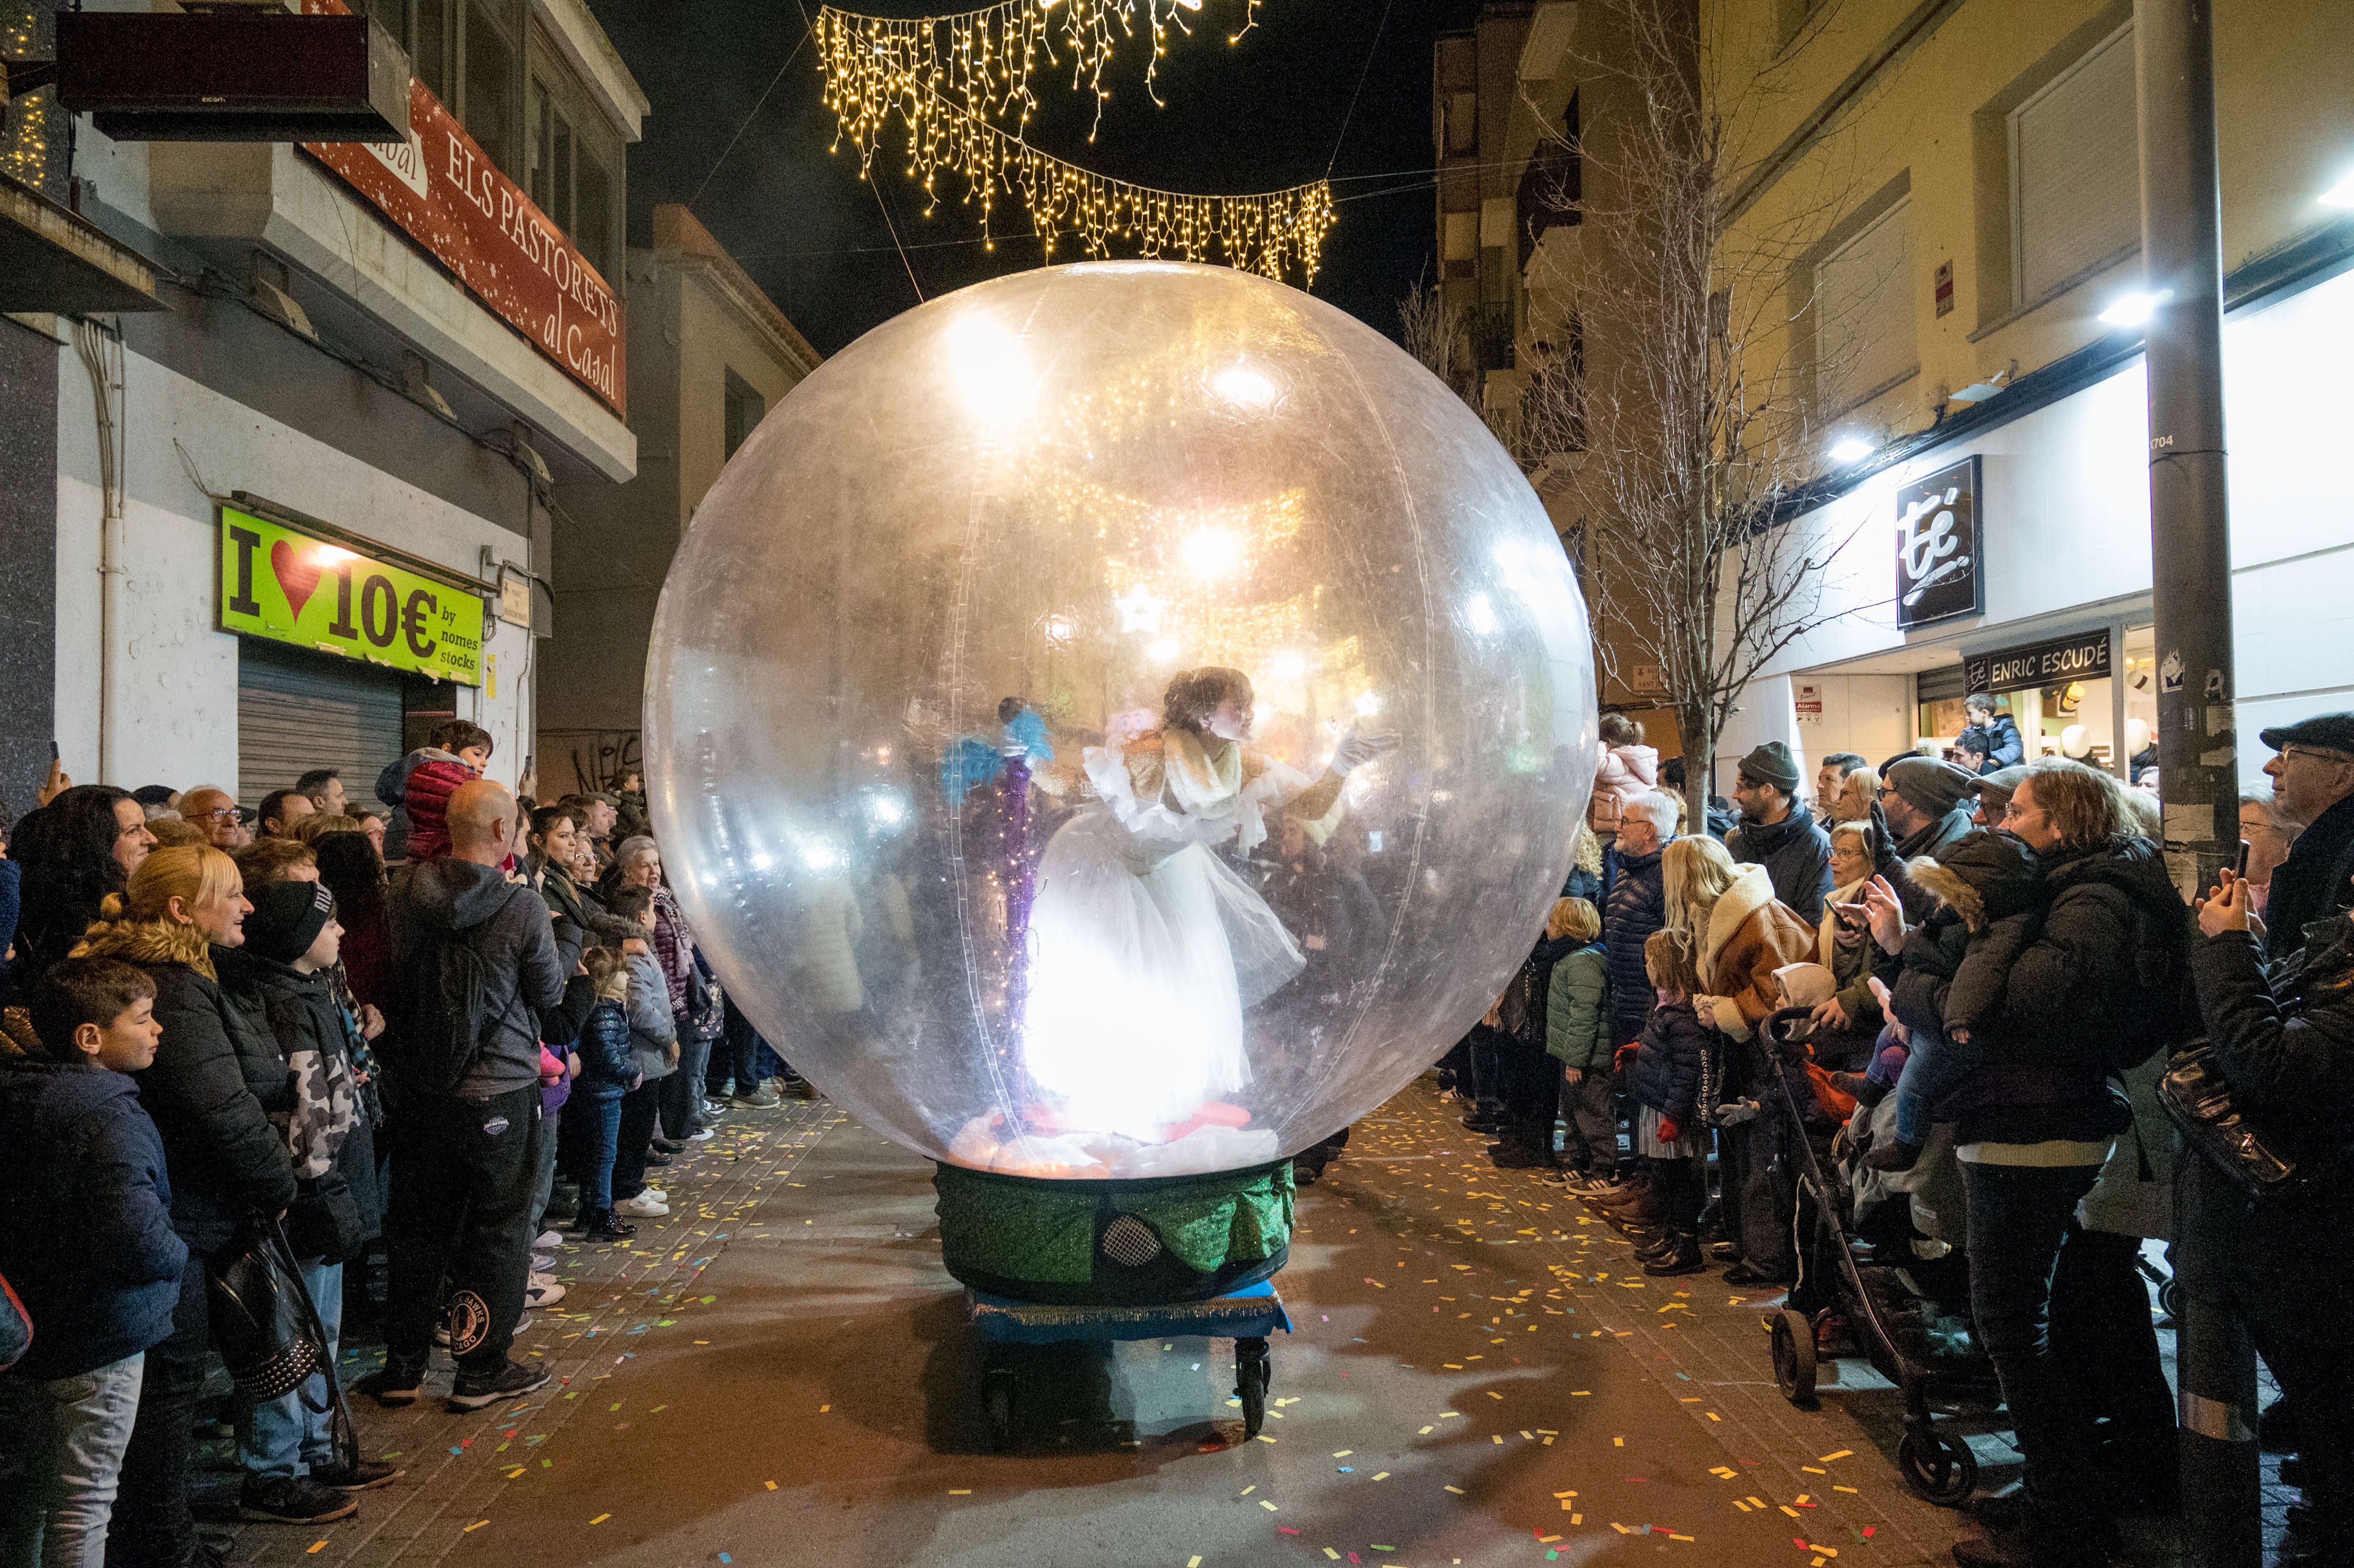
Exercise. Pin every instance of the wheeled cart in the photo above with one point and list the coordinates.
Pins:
(1247, 1317)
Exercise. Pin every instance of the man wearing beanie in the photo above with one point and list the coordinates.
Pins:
(1928, 802)
(278, 980)
(1777, 832)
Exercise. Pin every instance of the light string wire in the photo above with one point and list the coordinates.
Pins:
(942, 79)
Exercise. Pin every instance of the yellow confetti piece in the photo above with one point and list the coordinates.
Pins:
(1262, 1438)
(1495, 1437)
(1547, 1540)
(1383, 1477)
(1457, 1490)
(1332, 1554)
(821, 1409)
(1194, 1563)
(1342, 1453)
(1814, 1470)
(1267, 1505)
(1426, 1431)
(960, 1491)
(1577, 1519)
(1248, 1490)
(313, 1547)
(770, 1485)
(1564, 1494)
(1617, 1442)
(1843, 1454)
(1742, 1506)
(1785, 1507)
(1756, 1501)
(468, 1530)
(1840, 1488)
(1493, 1394)
(601, 1518)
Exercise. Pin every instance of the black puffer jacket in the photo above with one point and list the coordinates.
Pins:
(2286, 1047)
(2073, 999)
(341, 1211)
(1636, 907)
(212, 1074)
(608, 1059)
(1954, 967)
(1668, 1064)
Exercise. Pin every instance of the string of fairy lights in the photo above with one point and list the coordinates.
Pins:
(948, 84)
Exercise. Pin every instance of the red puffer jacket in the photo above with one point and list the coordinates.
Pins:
(429, 788)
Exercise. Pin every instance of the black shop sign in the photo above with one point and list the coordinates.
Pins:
(1938, 547)
(2083, 657)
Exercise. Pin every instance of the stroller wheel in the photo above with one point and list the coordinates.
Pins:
(1939, 1468)
(1793, 1356)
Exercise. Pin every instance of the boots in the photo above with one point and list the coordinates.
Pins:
(601, 1226)
(1682, 1256)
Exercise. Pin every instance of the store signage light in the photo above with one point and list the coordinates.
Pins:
(1939, 546)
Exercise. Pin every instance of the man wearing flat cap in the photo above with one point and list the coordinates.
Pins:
(1994, 792)
(2313, 783)
(1777, 832)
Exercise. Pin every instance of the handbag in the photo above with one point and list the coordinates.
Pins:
(268, 1331)
(2198, 1099)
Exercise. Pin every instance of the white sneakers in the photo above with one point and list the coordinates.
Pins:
(541, 1291)
(701, 1135)
(548, 1241)
(541, 1262)
(644, 1206)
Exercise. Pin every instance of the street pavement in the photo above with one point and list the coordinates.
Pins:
(779, 1376)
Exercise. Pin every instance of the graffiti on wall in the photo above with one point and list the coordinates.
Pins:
(586, 760)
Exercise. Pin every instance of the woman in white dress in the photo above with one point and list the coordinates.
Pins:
(1144, 946)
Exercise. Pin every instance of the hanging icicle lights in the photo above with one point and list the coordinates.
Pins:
(946, 79)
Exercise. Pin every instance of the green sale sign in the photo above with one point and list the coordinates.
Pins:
(278, 583)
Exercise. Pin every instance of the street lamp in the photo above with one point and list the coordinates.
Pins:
(2135, 309)
(1849, 450)
(2340, 195)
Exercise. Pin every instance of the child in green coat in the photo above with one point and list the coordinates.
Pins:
(1578, 1028)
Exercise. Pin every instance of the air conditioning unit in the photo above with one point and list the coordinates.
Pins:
(249, 75)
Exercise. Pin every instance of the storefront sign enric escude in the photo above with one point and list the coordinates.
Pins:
(445, 193)
(2083, 657)
(279, 583)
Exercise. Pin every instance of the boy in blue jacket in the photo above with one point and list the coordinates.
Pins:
(88, 1243)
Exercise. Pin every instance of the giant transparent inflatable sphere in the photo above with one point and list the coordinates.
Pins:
(1119, 720)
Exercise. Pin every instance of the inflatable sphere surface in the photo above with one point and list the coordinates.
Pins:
(1119, 720)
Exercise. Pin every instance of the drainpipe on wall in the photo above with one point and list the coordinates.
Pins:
(101, 350)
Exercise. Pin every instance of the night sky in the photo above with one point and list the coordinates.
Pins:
(1262, 114)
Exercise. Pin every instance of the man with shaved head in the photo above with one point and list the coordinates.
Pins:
(475, 958)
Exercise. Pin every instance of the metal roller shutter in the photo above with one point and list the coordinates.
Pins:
(298, 711)
(1863, 301)
(2076, 171)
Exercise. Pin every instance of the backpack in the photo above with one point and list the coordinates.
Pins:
(448, 1010)
(2163, 1011)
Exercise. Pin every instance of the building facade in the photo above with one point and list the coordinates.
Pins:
(1949, 191)
(300, 513)
(710, 355)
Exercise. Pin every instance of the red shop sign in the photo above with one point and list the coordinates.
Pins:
(451, 199)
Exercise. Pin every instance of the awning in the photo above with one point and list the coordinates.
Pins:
(55, 262)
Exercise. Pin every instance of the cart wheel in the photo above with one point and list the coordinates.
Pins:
(997, 1402)
(2169, 1300)
(1939, 1468)
(1253, 1376)
(1793, 1356)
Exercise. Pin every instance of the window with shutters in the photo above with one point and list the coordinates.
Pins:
(1463, 122)
(1864, 335)
(2075, 174)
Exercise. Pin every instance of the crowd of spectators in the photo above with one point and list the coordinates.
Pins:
(222, 1030)
(1974, 972)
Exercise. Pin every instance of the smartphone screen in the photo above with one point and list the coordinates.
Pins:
(2243, 869)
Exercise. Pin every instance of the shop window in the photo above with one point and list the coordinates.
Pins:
(1864, 337)
(744, 408)
(2076, 172)
(2140, 676)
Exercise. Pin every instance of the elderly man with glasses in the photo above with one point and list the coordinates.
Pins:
(2313, 784)
(214, 809)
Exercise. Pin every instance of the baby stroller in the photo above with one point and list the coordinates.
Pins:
(1878, 1298)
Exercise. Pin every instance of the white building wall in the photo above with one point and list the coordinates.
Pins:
(2066, 529)
(175, 689)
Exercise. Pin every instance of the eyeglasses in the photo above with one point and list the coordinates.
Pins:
(213, 816)
(2335, 758)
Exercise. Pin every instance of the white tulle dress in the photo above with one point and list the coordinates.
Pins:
(1144, 946)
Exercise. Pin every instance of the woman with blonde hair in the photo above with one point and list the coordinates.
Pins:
(1726, 919)
(1858, 793)
(212, 1077)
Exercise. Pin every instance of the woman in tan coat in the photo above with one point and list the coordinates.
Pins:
(1738, 935)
